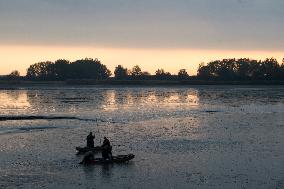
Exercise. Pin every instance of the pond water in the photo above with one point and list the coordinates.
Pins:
(182, 137)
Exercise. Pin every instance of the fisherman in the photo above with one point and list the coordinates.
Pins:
(106, 152)
(90, 140)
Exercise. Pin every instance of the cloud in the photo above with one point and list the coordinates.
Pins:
(205, 24)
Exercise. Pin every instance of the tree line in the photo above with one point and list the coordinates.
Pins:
(242, 69)
(63, 69)
(226, 69)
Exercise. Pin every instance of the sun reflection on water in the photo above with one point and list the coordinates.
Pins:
(14, 100)
(110, 101)
(115, 100)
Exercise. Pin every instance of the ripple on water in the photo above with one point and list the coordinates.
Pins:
(199, 137)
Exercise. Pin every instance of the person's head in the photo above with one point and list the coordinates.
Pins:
(91, 133)
(105, 138)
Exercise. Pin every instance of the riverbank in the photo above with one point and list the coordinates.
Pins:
(8, 83)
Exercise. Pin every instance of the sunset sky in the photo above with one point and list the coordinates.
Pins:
(169, 34)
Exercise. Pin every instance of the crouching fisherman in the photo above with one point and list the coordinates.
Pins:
(107, 148)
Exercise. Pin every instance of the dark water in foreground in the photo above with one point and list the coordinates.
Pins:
(199, 137)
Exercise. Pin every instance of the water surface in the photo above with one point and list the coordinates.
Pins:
(183, 137)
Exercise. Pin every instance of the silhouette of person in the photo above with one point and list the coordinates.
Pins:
(90, 140)
(107, 148)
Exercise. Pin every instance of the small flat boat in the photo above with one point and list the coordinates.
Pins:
(83, 150)
(115, 159)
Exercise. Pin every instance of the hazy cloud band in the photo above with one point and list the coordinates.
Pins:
(207, 24)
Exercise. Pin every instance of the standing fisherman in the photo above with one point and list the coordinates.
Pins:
(90, 140)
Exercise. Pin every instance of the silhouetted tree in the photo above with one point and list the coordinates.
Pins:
(41, 70)
(63, 69)
(161, 74)
(14, 75)
(226, 69)
(182, 74)
(241, 69)
(136, 71)
(120, 72)
(88, 69)
(104, 72)
(203, 71)
(270, 68)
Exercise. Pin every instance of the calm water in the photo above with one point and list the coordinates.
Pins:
(183, 137)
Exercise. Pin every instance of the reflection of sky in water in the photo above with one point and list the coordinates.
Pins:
(14, 101)
(132, 100)
(94, 102)
(181, 137)
(110, 104)
(134, 104)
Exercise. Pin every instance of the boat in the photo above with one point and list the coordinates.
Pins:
(115, 159)
(83, 150)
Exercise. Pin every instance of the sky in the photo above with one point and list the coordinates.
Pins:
(169, 34)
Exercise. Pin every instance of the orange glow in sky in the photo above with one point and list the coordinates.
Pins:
(171, 60)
